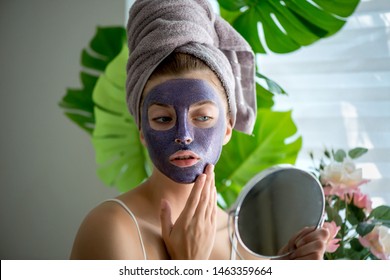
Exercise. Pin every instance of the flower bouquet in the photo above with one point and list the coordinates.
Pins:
(357, 231)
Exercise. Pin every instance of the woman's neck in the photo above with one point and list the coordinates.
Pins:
(160, 187)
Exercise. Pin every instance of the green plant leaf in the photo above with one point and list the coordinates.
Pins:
(77, 103)
(109, 93)
(271, 85)
(356, 245)
(86, 122)
(276, 39)
(340, 155)
(333, 215)
(246, 25)
(108, 42)
(381, 213)
(364, 228)
(264, 97)
(355, 214)
(265, 91)
(342, 8)
(245, 155)
(286, 25)
(357, 152)
(120, 156)
(315, 17)
(232, 5)
(122, 160)
(228, 15)
(352, 254)
(291, 25)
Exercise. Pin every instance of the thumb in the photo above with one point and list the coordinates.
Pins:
(166, 219)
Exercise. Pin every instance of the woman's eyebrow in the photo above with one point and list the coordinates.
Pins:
(160, 104)
(200, 103)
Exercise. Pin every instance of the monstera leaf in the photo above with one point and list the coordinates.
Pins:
(286, 25)
(104, 46)
(266, 89)
(122, 160)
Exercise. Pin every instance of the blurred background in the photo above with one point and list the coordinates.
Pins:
(48, 172)
(339, 90)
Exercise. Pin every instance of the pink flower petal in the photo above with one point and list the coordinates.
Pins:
(371, 241)
(332, 243)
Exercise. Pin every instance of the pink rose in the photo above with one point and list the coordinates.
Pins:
(342, 178)
(332, 243)
(362, 201)
(378, 240)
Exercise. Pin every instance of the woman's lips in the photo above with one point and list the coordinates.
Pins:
(184, 158)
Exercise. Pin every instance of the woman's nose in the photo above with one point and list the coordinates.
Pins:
(184, 141)
(184, 134)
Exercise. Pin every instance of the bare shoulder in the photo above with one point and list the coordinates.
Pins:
(107, 232)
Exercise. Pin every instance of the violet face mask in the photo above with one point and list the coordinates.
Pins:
(183, 151)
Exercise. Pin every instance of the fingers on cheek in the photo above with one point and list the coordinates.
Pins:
(216, 203)
(212, 191)
(200, 181)
(214, 207)
(199, 190)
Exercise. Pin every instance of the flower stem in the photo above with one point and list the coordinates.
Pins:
(366, 256)
(328, 256)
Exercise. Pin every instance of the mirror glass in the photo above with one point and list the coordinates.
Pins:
(276, 204)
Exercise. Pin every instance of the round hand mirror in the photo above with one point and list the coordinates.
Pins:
(273, 206)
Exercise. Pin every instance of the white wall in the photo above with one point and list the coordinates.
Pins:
(47, 171)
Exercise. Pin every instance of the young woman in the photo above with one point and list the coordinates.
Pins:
(184, 123)
(186, 107)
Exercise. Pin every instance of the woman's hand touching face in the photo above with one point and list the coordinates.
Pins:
(192, 236)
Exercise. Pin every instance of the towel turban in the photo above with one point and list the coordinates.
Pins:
(158, 28)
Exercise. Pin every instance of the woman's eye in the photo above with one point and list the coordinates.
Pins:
(203, 118)
(162, 119)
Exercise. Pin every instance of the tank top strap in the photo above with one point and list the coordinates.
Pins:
(124, 206)
(233, 253)
(233, 238)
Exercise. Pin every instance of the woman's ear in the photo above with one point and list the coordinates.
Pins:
(228, 133)
(142, 138)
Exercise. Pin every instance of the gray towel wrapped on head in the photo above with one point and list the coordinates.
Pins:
(158, 28)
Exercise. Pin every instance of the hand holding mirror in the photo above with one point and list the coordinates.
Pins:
(274, 206)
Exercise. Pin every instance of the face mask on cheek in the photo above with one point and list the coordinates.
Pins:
(183, 151)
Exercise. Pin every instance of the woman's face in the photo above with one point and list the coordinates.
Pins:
(184, 126)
